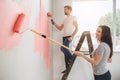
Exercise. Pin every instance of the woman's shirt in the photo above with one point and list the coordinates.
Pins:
(104, 50)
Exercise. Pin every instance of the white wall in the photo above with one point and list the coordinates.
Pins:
(81, 69)
(22, 63)
(58, 57)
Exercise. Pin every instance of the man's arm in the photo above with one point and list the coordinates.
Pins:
(57, 26)
(76, 29)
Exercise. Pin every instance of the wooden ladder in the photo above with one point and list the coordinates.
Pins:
(90, 46)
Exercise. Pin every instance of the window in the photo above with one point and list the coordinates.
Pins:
(90, 14)
(117, 46)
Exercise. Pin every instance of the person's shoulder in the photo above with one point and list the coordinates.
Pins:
(103, 44)
(74, 16)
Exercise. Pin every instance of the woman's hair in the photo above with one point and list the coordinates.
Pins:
(69, 7)
(106, 37)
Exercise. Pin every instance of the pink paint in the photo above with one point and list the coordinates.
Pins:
(9, 13)
(25, 6)
(42, 44)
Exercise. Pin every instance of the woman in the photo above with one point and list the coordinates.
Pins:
(102, 55)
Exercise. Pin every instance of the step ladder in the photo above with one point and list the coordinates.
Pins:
(90, 46)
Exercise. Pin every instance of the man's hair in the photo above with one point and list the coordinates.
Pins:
(69, 7)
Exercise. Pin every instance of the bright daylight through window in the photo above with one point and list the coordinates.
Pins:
(92, 13)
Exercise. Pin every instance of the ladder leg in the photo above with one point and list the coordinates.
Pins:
(87, 34)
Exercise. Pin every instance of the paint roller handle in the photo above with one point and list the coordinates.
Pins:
(44, 36)
(52, 21)
(49, 14)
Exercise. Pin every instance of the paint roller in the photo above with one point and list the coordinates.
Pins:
(49, 14)
(18, 24)
(19, 21)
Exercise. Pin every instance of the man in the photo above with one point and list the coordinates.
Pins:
(70, 28)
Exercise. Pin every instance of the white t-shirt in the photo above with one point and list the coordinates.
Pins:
(68, 25)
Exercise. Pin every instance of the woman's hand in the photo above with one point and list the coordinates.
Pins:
(77, 53)
(109, 60)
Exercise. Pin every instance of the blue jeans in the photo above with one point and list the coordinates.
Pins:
(106, 76)
(67, 53)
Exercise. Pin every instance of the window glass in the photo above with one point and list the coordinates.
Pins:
(117, 46)
(90, 14)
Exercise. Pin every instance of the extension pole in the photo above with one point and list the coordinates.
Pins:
(44, 36)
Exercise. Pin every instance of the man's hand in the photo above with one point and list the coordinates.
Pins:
(52, 21)
(70, 38)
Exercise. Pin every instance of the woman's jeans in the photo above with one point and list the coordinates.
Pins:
(106, 76)
(66, 52)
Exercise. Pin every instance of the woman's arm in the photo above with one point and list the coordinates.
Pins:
(97, 58)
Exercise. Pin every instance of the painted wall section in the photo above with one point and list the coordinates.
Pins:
(41, 44)
(10, 11)
(8, 15)
(20, 62)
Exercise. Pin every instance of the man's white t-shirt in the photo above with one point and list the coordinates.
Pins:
(68, 25)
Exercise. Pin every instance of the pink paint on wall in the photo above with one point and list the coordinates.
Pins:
(41, 44)
(8, 15)
(25, 6)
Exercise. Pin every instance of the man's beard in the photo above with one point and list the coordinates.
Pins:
(66, 13)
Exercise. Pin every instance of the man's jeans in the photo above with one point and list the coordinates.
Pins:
(66, 52)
